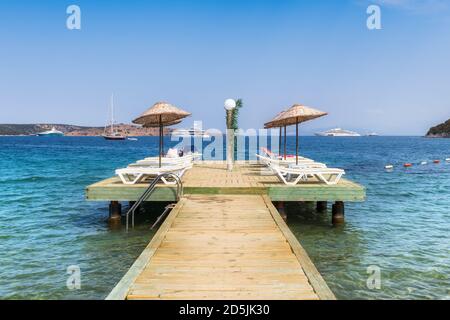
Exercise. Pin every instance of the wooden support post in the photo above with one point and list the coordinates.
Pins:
(338, 212)
(115, 210)
(321, 206)
(281, 209)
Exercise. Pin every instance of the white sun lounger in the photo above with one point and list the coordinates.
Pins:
(269, 154)
(268, 161)
(149, 162)
(133, 175)
(186, 158)
(292, 176)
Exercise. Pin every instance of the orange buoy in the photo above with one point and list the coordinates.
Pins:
(437, 161)
(407, 165)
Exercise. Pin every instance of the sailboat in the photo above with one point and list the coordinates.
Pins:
(110, 132)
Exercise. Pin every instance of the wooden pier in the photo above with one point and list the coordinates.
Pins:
(225, 239)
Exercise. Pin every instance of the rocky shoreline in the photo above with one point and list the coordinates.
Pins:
(76, 131)
(440, 131)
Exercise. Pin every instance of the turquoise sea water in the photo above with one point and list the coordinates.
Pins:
(47, 226)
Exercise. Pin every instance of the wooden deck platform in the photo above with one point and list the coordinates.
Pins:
(212, 178)
(223, 247)
(224, 239)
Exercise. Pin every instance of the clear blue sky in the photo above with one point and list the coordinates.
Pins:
(195, 54)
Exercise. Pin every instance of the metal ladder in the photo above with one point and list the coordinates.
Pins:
(149, 191)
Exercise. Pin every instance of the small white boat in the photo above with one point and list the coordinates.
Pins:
(424, 163)
(338, 132)
(53, 132)
(389, 167)
(448, 159)
(372, 134)
(133, 139)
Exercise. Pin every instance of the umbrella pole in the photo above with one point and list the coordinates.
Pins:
(285, 137)
(296, 142)
(279, 143)
(160, 138)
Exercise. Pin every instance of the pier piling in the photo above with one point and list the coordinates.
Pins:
(321, 206)
(282, 210)
(115, 211)
(338, 213)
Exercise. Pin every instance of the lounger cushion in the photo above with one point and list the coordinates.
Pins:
(172, 153)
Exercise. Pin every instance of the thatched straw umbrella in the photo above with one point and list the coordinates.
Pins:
(160, 115)
(274, 124)
(297, 114)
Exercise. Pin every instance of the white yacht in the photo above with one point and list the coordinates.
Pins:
(193, 132)
(52, 132)
(338, 132)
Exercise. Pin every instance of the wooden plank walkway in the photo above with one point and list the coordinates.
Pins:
(223, 247)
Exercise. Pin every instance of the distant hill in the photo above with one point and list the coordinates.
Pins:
(29, 129)
(440, 131)
(73, 130)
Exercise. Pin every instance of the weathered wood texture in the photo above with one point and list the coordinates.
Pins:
(223, 247)
(246, 178)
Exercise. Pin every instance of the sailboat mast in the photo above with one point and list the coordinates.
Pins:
(114, 134)
(112, 114)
